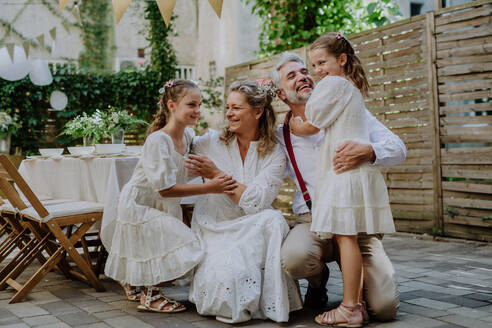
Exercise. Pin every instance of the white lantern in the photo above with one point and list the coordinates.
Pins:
(40, 73)
(58, 100)
(16, 69)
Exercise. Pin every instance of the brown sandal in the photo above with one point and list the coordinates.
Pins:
(352, 315)
(132, 294)
(149, 298)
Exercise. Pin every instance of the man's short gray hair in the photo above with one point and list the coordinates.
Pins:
(285, 57)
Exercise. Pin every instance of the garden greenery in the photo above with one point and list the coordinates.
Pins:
(135, 91)
(291, 24)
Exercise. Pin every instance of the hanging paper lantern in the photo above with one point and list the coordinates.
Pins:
(58, 100)
(40, 73)
(16, 69)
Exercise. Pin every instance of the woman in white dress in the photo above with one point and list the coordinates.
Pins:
(241, 278)
(150, 244)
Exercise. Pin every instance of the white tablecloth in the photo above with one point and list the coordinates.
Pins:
(92, 179)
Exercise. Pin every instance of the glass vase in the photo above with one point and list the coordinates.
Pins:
(88, 141)
(118, 137)
(5, 145)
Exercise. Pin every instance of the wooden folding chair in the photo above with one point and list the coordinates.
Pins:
(53, 227)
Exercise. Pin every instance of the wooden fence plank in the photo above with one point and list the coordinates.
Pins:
(486, 10)
(465, 86)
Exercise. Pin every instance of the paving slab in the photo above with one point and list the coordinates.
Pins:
(441, 284)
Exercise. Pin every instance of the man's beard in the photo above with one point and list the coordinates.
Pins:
(295, 98)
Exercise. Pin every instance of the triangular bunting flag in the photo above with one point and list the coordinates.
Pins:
(10, 48)
(53, 33)
(217, 5)
(66, 25)
(166, 8)
(120, 7)
(62, 4)
(40, 40)
(7, 34)
(76, 13)
(26, 45)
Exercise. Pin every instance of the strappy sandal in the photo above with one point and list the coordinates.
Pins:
(174, 308)
(351, 314)
(365, 314)
(131, 294)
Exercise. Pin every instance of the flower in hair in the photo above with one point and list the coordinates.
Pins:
(339, 36)
(266, 86)
(169, 84)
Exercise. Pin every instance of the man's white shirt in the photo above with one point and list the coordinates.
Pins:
(388, 147)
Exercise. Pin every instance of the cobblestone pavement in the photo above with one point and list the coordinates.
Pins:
(442, 284)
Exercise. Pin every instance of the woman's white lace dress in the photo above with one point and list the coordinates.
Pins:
(356, 200)
(150, 242)
(240, 277)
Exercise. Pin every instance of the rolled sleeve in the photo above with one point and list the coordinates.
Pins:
(388, 147)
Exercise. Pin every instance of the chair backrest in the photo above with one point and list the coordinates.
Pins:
(23, 187)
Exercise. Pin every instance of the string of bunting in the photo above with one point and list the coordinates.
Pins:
(39, 40)
(166, 7)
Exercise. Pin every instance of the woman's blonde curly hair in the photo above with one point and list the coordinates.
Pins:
(257, 99)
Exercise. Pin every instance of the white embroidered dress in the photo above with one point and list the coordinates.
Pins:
(240, 277)
(356, 200)
(150, 243)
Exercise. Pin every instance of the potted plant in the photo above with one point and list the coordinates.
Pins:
(89, 128)
(118, 121)
(9, 125)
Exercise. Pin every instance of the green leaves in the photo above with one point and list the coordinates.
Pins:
(290, 24)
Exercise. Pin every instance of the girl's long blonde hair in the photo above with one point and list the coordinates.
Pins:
(337, 44)
(257, 99)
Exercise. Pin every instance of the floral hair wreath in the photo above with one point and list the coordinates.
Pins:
(339, 36)
(267, 87)
(169, 84)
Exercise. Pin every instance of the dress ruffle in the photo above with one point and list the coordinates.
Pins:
(145, 254)
(352, 202)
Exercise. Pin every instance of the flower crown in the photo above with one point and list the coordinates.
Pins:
(267, 87)
(170, 84)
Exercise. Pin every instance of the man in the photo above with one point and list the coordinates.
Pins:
(303, 254)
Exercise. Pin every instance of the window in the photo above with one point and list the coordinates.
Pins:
(212, 66)
(415, 8)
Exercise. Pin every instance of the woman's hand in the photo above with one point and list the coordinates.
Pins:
(202, 166)
(222, 184)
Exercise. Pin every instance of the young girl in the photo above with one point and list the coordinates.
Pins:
(150, 244)
(355, 201)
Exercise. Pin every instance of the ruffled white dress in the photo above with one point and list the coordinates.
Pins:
(357, 200)
(150, 243)
(240, 277)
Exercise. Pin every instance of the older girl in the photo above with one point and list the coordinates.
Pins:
(150, 243)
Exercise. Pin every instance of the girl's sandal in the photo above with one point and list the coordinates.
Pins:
(351, 314)
(132, 294)
(174, 308)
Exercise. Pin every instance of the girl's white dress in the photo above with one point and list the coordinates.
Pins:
(241, 277)
(151, 244)
(357, 200)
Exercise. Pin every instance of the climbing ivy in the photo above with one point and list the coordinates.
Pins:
(97, 22)
(162, 56)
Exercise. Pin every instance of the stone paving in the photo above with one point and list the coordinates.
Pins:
(442, 284)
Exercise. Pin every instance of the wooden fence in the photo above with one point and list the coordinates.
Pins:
(431, 82)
